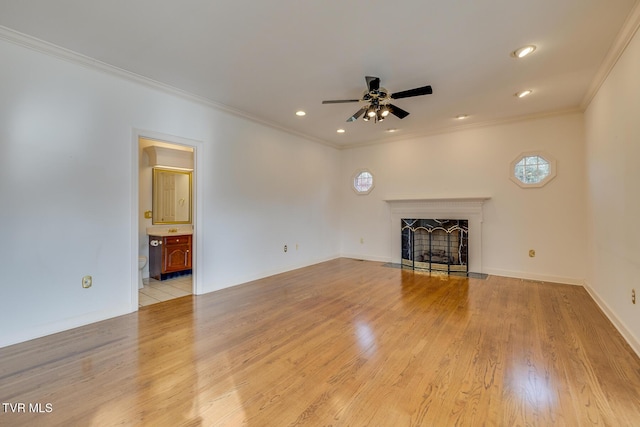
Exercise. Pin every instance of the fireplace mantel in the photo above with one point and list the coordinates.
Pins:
(469, 208)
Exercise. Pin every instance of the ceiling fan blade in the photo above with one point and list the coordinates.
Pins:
(424, 90)
(397, 111)
(373, 83)
(357, 114)
(340, 101)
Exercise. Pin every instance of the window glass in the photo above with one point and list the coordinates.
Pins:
(363, 182)
(532, 169)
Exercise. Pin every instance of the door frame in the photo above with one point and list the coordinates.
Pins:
(135, 197)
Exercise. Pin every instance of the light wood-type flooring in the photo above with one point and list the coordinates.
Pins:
(341, 343)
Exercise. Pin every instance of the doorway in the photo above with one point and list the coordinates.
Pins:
(165, 242)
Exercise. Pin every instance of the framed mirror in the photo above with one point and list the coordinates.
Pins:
(171, 196)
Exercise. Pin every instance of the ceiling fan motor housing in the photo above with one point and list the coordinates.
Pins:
(377, 95)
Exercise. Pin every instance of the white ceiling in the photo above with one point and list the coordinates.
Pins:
(268, 59)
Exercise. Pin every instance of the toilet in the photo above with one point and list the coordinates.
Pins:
(142, 261)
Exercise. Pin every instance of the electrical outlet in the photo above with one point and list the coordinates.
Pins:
(285, 248)
(633, 296)
(87, 281)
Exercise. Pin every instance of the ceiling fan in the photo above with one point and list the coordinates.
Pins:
(378, 106)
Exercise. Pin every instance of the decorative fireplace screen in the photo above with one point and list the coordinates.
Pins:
(435, 244)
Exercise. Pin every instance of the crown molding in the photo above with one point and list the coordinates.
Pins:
(624, 37)
(76, 58)
(469, 126)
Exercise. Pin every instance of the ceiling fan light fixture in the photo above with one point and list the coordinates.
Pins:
(371, 112)
(384, 111)
(523, 51)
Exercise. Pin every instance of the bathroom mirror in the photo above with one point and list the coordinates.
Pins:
(171, 196)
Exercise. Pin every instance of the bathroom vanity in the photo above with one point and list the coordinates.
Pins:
(168, 254)
(170, 237)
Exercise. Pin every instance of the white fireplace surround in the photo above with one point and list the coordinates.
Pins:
(469, 208)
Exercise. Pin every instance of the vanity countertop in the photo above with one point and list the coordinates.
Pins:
(169, 231)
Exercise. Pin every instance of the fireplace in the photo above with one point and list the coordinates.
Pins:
(468, 209)
(435, 244)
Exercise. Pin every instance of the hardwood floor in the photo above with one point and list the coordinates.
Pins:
(342, 343)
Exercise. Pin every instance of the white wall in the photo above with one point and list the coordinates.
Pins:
(266, 189)
(67, 176)
(475, 163)
(613, 173)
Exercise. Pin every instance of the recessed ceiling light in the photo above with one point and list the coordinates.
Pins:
(461, 116)
(523, 93)
(392, 130)
(523, 51)
(341, 131)
(300, 113)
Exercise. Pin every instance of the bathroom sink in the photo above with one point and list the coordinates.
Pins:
(169, 231)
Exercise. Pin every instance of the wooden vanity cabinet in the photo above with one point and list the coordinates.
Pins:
(169, 254)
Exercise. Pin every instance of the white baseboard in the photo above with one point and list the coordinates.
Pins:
(366, 257)
(43, 330)
(628, 336)
(262, 275)
(534, 276)
(89, 318)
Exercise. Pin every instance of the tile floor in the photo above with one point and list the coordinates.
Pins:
(155, 291)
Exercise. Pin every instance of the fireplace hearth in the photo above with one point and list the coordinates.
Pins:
(435, 245)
